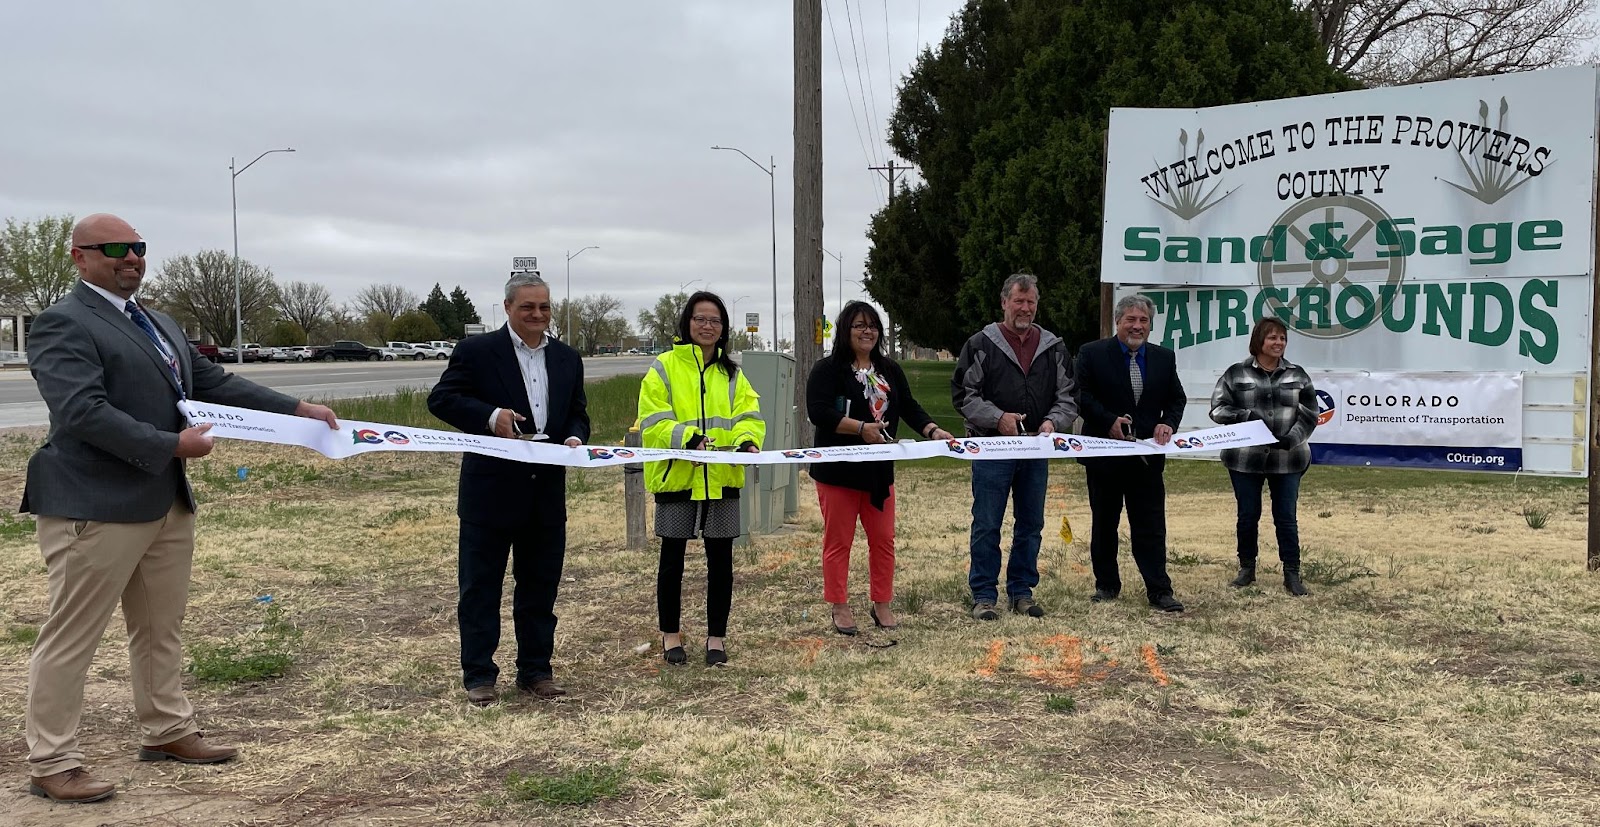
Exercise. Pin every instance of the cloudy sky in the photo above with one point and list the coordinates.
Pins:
(434, 141)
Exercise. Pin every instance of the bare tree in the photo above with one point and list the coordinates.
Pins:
(198, 289)
(306, 304)
(385, 300)
(1392, 42)
(36, 267)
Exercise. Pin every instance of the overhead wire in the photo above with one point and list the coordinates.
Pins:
(845, 78)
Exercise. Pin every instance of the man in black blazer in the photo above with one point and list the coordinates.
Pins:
(508, 383)
(1129, 389)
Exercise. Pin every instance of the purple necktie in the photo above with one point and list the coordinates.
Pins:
(143, 321)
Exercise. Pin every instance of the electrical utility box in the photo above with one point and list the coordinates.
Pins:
(769, 490)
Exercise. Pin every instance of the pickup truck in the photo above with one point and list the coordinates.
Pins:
(404, 350)
(208, 351)
(345, 351)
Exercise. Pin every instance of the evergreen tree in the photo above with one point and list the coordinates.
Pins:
(442, 312)
(1006, 122)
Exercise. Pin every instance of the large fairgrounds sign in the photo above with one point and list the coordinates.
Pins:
(1421, 232)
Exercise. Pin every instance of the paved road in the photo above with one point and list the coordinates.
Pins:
(20, 403)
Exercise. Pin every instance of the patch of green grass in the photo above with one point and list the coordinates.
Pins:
(1060, 703)
(407, 514)
(575, 788)
(258, 656)
(1324, 514)
(1331, 569)
(1576, 679)
(12, 526)
(1534, 517)
(796, 696)
(912, 599)
(23, 635)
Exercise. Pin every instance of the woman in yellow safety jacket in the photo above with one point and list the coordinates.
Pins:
(695, 397)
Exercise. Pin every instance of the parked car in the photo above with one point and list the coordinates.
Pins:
(406, 350)
(346, 351)
(296, 353)
(429, 351)
(449, 348)
(226, 354)
(253, 352)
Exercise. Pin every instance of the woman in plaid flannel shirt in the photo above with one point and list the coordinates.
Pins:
(1269, 388)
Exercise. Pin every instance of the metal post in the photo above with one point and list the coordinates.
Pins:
(238, 317)
(772, 181)
(633, 493)
(238, 312)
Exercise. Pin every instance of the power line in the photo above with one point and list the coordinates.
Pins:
(888, 56)
(866, 57)
(845, 78)
(861, 84)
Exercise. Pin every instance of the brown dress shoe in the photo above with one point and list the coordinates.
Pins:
(190, 749)
(74, 786)
(481, 695)
(545, 688)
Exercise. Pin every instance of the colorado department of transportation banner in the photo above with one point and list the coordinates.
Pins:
(1480, 178)
(1461, 421)
(355, 437)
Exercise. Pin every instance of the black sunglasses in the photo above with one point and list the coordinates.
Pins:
(117, 249)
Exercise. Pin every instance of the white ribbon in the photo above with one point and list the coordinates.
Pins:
(357, 437)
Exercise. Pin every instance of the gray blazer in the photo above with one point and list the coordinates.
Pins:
(114, 419)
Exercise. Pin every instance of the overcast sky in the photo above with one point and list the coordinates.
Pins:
(434, 141)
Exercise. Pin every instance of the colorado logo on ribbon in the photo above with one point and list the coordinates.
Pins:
(396, 438)
(366, 435)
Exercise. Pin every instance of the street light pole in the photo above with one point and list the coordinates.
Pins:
(839, 257)
(772, 179)
(566, 330)
(238, 315)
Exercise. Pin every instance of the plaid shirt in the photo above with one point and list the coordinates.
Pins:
(1284, 399)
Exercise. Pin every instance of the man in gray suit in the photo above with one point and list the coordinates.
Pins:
(115, 513)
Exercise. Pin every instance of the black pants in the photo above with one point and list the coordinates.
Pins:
(719, 584)
(536, 556)
(1128, 480)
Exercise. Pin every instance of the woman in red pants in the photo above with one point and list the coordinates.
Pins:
(858, 396)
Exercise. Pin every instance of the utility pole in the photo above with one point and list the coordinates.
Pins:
(807, 198)
(888, 172)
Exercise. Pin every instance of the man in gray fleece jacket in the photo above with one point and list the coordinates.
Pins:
(1013, 378)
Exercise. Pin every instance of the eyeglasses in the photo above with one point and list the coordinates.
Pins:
(117, 249)
(707, 321)
(862, 326)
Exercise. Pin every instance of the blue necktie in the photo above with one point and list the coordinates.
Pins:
(143, 321)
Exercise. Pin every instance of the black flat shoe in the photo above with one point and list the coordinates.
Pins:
(873, 613)
(675, 656)
(716, 657)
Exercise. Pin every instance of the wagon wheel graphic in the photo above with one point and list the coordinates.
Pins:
(1359, 216)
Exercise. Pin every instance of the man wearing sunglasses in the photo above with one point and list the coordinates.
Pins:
(115, 513)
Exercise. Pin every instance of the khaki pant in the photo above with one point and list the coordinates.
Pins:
(91, 566)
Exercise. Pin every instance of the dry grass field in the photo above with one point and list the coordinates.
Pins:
(1444, 671)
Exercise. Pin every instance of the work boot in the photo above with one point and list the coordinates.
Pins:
(1292, 584)
(1246, 576)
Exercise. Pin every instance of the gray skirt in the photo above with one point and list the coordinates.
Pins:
(717, 519)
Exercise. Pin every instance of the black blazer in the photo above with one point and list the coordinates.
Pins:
(828, 390)
(1104, 392)
(483, 375)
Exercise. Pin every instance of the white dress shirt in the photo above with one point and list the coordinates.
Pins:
(121, 304)
(535, 380)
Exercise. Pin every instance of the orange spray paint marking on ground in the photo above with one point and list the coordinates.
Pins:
(1111, 663)
(1148, 651)
(991, 661)
(1070, 668)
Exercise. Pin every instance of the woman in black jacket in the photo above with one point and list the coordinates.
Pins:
(858, 396)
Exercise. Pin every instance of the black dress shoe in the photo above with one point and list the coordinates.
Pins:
(675, 656)
(873, 613)
(1102, 596)
(1292, 584)
(1166, 603)
(1247, 575)
(716, 657)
